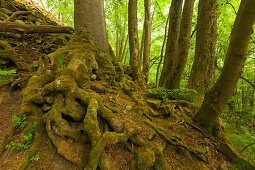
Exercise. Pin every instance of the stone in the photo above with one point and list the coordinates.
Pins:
(154, 103)
(129, 107)
(93, 77)
(145, 159)
(223, 166)
(59, 41)
(49, 99)
(20, 21)
(46, 107)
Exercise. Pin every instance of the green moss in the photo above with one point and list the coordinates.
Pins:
(145, 158)
(60, 60)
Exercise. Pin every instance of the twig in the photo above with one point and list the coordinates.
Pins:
(247, 146)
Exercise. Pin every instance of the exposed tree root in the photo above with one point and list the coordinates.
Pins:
(6, 138)
(78, 121)
(8, 54)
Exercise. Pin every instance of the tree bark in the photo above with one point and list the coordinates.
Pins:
(183, 45)
(133, 38)
(140, 58)
(172, 41)
(122, 40)
(162, 50)
(89, 14)
(217, 97)
(31, 29)
(147, 39)
(202, 72)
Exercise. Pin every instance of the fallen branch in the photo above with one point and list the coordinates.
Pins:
(31, 29)
(16, 14)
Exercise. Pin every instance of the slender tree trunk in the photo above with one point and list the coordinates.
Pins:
(117, 45)
(141, 49)
(124, 51)
(90, 14)
(202, 72)
(122, 41)
(133, 38)
(172, 41)
(147, 39)
(183, 45)
(125, 61)
(162, 50)
(117, 31)
(217, 97)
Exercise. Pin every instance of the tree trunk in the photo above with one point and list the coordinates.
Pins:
(124, 50)
(217, 97)
(122, 41)
(162, 50)
(133, 38)
(140, 58)
(202, 72)
(89, 14)
(172, 42)
(183, 45)
(147, 39)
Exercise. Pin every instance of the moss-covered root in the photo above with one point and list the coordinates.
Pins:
(107, 139)
(91, 126)
(234, 156)
(35, 146)
(7, 53)
(6, 139)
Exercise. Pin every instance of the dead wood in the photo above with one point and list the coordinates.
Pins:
(16, 14)
(30, 29)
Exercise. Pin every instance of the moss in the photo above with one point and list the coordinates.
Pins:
(6, 139)
(145, 158)
(234, 156)
(36, 144)
(60, 60)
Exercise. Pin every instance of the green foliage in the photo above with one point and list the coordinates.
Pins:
(17, 146)
(175, 94)
(241, 136)
(20, 122)
(35, 158)
(5, 76)
(27, 139)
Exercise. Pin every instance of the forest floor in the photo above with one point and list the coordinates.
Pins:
(185, 145)
(177, 125)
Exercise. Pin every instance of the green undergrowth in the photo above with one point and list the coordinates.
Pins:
(5, 76)
(172, 94)
(242, 137)
(21, 123)
(35, 158)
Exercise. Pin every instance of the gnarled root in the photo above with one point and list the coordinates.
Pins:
(76, 119)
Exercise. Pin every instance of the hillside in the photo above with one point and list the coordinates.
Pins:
(136, 130)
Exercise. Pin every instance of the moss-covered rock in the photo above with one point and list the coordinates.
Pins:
(145, 158)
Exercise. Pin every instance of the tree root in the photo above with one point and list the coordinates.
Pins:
(6, 138)
(7, 53)
(78, 121)
(34, 148)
